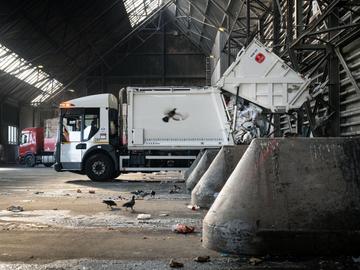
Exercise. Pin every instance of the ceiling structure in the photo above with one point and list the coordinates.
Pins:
(201, 20)
(59, 42)
(63, 37)
(63, 41)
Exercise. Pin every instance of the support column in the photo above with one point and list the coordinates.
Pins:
(333, 128)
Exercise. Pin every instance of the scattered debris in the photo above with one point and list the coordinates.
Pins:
(121, 197)
(14, 208)
(216, 194)
(193, 207)
(202, 259)
(182, 228)
(110, 203)
(38, 192)
(255, 261)
(92, 191)
(145, 237)
(55, 209)
(163, 215)
(143, 217)
(175, 264)
(356, 259)
(79, 190)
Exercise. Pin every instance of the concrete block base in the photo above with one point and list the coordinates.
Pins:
(201, 168)
(215, 177)
(290, 195)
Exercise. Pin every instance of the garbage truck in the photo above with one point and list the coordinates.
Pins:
(164, 128)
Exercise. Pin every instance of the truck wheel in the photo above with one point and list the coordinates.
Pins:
(116, 174)
(48, 164)
(99, 167)
(29, 161)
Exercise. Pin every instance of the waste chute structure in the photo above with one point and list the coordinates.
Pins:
(263, 78)
(289, 195)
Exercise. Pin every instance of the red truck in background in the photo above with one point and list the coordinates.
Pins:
(37, 145)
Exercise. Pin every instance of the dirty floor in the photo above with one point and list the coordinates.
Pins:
(65, 225)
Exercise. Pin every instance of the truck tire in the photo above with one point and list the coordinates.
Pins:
(48, 164)
(29, 161)
(99, 167)
(116, 174)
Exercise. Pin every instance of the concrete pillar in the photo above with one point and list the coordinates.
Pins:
(290, 195)
(215, 177)
(201, 168)
(193, 165)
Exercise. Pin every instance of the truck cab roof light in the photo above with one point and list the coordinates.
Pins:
(66, 105)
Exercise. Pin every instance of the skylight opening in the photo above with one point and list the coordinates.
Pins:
(139, 10)
(18, 67)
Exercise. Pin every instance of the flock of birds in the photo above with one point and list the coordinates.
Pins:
(139, 193)
(130, 204)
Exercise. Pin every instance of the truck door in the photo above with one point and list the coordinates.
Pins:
(71, 147)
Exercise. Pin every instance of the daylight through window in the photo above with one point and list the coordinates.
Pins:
(138, 10)
(14, 65)
(12, 135)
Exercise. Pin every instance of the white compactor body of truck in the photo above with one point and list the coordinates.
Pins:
(164, 128)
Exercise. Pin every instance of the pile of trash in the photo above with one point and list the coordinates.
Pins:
(249, 121)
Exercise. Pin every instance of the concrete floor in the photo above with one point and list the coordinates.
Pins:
(61, 228)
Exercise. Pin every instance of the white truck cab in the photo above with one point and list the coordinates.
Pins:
(87, 124)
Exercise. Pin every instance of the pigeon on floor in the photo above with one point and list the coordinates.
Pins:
(110, 203)
(137, 192)
(130, 204)
(175, 189)
(144, 194)
(152, 193)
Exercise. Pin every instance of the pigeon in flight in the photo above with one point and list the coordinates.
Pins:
(172, 114)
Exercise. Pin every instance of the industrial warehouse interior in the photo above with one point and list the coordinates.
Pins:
(190, 134)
